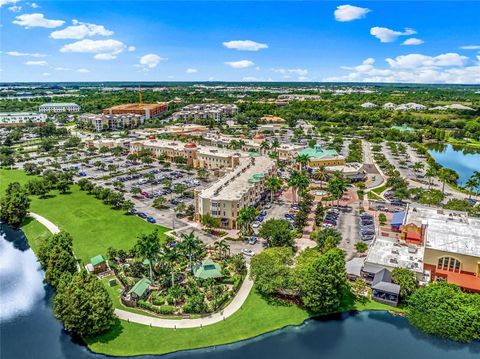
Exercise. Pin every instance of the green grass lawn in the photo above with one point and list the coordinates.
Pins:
(35, 232)
(255, 318)
(93, 225)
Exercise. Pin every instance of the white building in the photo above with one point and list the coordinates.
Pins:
(368, 105)
(113, 122)
(21, 118)
(59, 107)
(205, 111)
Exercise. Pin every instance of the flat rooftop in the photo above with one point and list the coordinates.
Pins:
(54, 104)
(235, 183)
(390, 252)
(137, 106)
(447, 231)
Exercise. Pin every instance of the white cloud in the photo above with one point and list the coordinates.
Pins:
(250, 79)
(37, 20)
(413, 41)
(47, 74)
(345, 13)
(103, 49)
(417, 60)
(245, 45)
(131, 48)
(471, 47)
(5, 2)
(19, 54)
(80, 31)
(83, 71)
(34, 5)
(36, 63)
(242, 64)
(150, 60)
(415, 68)
(191, 71)
(298, 72)
(15, 8)
(387, 35)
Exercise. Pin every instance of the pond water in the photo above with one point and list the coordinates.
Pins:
(463, 160)
(28, 329)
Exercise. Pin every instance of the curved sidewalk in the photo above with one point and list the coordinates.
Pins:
(53, 228)
(235, 305)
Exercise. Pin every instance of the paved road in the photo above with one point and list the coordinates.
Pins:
(235, 305)
(53, 228)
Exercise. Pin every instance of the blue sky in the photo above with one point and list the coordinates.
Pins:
(240, 41)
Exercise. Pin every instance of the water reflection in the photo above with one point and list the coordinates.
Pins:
(21, 277)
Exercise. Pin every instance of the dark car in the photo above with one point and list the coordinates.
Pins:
(151, 220)
(142, 215)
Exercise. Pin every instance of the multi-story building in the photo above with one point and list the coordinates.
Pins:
(288, 152)
(148, 110)
(205, 111)
(318, 157)
(113, 122)
(237, 189)
(21, 118)
(110, 143)
(59, 107)
(207, 157)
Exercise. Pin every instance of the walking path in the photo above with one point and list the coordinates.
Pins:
(53, 228)
(234, 305)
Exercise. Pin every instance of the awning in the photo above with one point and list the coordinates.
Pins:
(466, 281)
(397, 219)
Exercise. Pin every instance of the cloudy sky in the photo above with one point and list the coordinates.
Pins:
(430, 42)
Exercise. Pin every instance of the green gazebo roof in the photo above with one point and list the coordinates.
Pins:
(208, 269)
(254, 180)
(253, 154)
(259, 175)
(140, 287)
(97, 260)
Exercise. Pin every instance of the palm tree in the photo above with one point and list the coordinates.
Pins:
(273, 184)
(447, 175)
(170, 256)
(246, 216)
(321, 174)
(148, 246)
(297, 181)
(418, 166)
(264, 146)
(302, 160)
(222, 247)
(431, 172)
(191, 246)
(471, 184)
(337, 187)
(275, 144)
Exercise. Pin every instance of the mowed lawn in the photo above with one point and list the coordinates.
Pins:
(35, 232)
(94, 226)
(256, 317)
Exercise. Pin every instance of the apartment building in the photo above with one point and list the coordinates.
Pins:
(148, 110)
(240, 188)
(112, 122)
(212, 158)
(59, 107)
(21, 118)
(205, 111)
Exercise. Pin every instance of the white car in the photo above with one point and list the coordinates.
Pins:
(248, 252)
(256, 224)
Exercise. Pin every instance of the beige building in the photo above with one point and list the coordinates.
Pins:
(240, 188)
(207, 157)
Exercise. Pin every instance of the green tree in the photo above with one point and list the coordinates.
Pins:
(148, 247)
(277, 233)
(83, 305)
(361, 247)
(14, 205)
(382, 218)
(407, 281)
(337, 187)
(245, 217)
(443, 309)
(191, 246)
(326, 238)
(271, 270)
(273, 184)
(209, 221)
(324, 282)
(447, 175)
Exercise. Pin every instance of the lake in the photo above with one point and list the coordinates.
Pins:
(463, 160)
(28, 329)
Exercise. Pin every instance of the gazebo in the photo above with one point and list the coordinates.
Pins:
(207, 269)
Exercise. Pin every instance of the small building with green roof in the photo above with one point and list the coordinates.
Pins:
(140, 289)
(318, 157)
(207, 269)
(98, 264)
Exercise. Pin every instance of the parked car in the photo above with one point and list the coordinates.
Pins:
(268, 206)
(255, 224)
(248, 252)
(151, 220)
(253, 240)
(142, 215)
